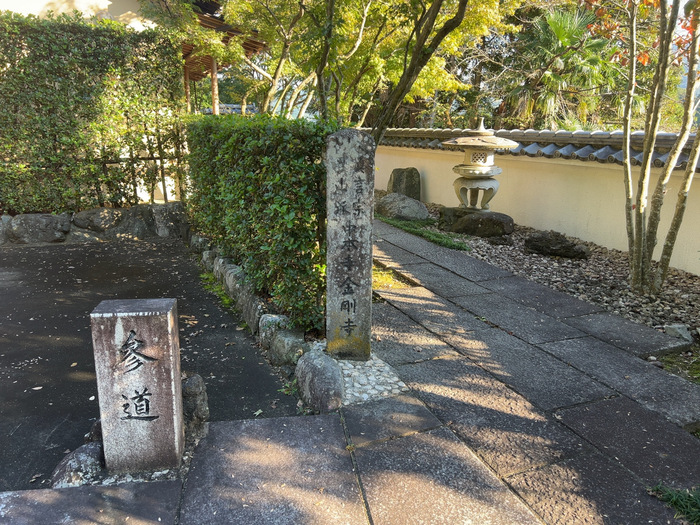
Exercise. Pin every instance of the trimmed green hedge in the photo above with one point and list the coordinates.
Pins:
(86, 108)
(258, 189)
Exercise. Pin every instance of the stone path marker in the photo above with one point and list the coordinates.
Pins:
(350, 192)
(137, 361)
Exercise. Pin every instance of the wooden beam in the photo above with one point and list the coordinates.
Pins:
(187, 89)
(214, 87)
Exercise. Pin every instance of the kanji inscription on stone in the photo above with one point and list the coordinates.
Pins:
(137, 362)
(350, 194)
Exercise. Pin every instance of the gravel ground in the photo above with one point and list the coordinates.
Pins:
(601, 279)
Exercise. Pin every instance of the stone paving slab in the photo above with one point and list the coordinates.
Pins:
(433, 478)
(643, 441)
(440, 281)
(436, 314)
(653, 388)
(635, 338)
(540, 297)
(589, 489)
(454, 260)
(515, 318)
(392, 256)
(387, 419)
(276, 471)
(397, 339)
(501, 426)
(543, 379)
(131, 503)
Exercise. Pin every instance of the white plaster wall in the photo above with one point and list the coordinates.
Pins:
(125, 11)
(582, 199)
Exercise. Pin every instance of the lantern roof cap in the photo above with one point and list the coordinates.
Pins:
(480, 138)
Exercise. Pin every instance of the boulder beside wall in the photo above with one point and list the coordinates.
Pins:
(405, 181)
(397, 206)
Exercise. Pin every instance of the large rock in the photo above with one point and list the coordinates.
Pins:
(269, 325)
(405, 181)
(555, 244)
(5, 226)
(286, 347)
(397, 206)
(476, 223)
(99, 219)
(80, 467)
(39, 228)
(170, 219)
(320, 381)
(195, 406)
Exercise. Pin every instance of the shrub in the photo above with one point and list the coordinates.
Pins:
(258, 189)
(81, 102)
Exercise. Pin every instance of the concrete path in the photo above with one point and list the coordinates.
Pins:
(527, 406)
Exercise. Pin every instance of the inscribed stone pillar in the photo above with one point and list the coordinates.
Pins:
(350, 192)
(137, 361)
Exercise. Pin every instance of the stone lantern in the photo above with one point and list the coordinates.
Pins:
(476, 175)
(477, 170)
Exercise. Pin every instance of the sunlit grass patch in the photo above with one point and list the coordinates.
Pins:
(427, 230)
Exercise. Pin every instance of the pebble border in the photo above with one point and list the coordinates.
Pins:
(368, 380)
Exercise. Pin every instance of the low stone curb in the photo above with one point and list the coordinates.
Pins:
(322, 382)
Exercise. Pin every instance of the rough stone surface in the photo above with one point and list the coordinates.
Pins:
(79, 467)
(320, 381)
(137, 363)
(208, 258)
(681, 331)
(524, 322)
(371, 379)
(501, 426)
(252, 308)
(169, 219)
(267, 327)
(657, 450)
(350, 180)
(286, 347)
(656, 389)
(432, 477)
(478, 223)
(195, 405)
(5, 226)
(398, 206)
(589, 489)
(99, 219)
(405, 181)
(132, 503)
(384, 419)
(554, 243)
(272, 472)
(39, 228)
(233, 280)
(221, 265)
(199, 244)
(543, 379)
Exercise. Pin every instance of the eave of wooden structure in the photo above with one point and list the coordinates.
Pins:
(198, 66)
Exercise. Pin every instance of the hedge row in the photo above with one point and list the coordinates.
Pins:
(86, 109)
(258, 189)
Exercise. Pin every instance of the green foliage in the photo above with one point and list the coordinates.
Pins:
(686, 502)
(83, 103)
(423, 229)
(258, 190)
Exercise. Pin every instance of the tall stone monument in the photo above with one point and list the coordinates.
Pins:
(350, 192)
(137, 361)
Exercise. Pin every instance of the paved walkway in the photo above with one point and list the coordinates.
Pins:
(527, 406)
